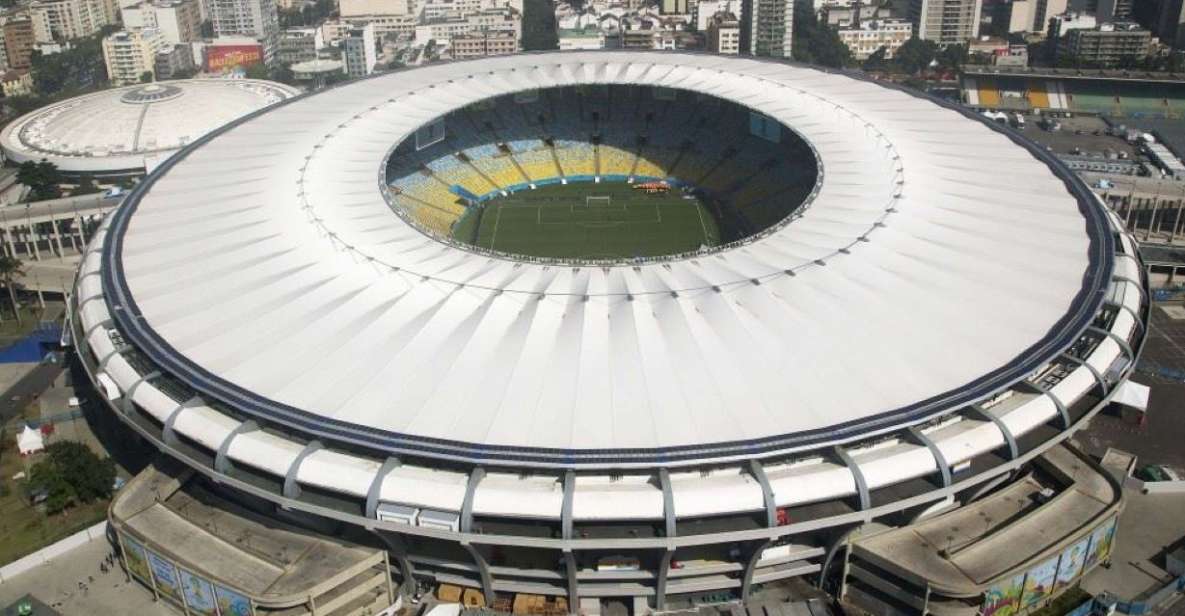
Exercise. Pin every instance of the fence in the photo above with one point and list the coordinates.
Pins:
(44, 555)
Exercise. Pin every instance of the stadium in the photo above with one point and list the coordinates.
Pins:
(124, 132)
(555, 330)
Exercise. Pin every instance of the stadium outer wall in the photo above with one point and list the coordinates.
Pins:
(513, 557)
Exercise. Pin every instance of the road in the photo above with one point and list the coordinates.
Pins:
(26, 390)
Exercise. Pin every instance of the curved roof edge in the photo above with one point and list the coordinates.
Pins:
(1069, 328)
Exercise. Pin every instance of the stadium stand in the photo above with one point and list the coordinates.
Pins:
(507, 144)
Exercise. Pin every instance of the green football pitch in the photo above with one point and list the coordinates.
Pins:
(618, 221)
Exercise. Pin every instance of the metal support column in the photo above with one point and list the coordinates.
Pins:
(660, 587)
(291, 487)
(668, 501)
(376, 486)
(475, 478)
(943, 468)
(221, 462)
(857, 475)
(573, 585)
(767, 493)
(751, 568)
(1009, 440)
(483, 569)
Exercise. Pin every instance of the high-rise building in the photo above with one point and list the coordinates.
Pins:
(131, 53)
(299, 45)
(63, 20)
(869, 36)
(1170, 23)
(257, 19)
(360, 53)
(724, 34)
(18, 43)
(674, 7)
(767, 28)
(1033, 15)
(481, 44)
(179, 21)
(173, 61)
(946, 22)
(1108, 44)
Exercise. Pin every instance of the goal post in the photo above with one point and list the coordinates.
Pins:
(602, 201)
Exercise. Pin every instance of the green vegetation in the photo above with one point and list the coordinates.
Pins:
(25, 528)
(42, 178)
(72, 71)
(817, 43)
(556, 221)
(540, 31)
(70, 475)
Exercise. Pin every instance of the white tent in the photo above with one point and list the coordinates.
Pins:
(29, 441)
(1133, 395)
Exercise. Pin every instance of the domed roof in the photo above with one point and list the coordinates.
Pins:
(127, 129)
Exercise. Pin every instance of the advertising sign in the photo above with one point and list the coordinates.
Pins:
(221, 58)
(199, 594)
(165, 575)
(1039, 583)
(1072, 560)
(1101, 541)
(231, 603)
(137, 561)
(1003, 599)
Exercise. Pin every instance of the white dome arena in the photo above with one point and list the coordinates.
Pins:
(290, 308)
(126, 131)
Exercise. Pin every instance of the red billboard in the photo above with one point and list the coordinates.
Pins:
(225, 57)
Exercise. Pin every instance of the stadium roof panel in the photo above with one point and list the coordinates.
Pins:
(264, 267)
(140, 124)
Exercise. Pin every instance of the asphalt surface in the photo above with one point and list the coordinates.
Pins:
(26, 390)
(1159, 440)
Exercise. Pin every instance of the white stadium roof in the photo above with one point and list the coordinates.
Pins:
(129, 129)
(940, 261)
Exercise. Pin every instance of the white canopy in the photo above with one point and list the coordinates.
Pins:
(1133, 395)
(29, 441)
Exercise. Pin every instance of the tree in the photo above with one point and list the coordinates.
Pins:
(146, 77)
(11, 268)
(539, 26)
(915, 54)
(42, 178)
(71, 474)
(71, 71)
(86, 186)
(876, 60)
(817, 43)
(952, 57)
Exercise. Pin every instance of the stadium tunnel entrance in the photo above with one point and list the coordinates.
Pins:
(601, 173)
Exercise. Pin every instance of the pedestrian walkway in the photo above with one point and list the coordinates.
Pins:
(74, 584)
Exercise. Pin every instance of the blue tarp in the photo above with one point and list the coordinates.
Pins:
(33, 347)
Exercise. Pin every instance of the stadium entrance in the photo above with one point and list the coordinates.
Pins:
(600, 173)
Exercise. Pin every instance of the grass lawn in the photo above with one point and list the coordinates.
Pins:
(24, 529)
(557, 221)
(10, 330)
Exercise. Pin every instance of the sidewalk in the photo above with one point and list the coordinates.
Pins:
(57, 585)
(1150, 524)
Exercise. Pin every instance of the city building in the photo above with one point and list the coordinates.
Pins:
(488, 20)
(865, 39)
(1033, 15)
(139, 126)
(767, 28)
(582, 38)
(299, 45)
(130, 54)
(653, 431)
(840, 15)
(480, 44)
(257, 19)
(19, 41)
(946, 22)
(367, 9)
(674, 7)
(178, 21)
(1170, 23)
(173, 62)
(16, 82)
(359, 51)
(1108, 44)
(64, 20)
(724, 34)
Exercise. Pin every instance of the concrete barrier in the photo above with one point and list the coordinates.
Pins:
(1154, 487)
(46, 554)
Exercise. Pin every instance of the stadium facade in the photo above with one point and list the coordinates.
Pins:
(943, 307)
(127, 131)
